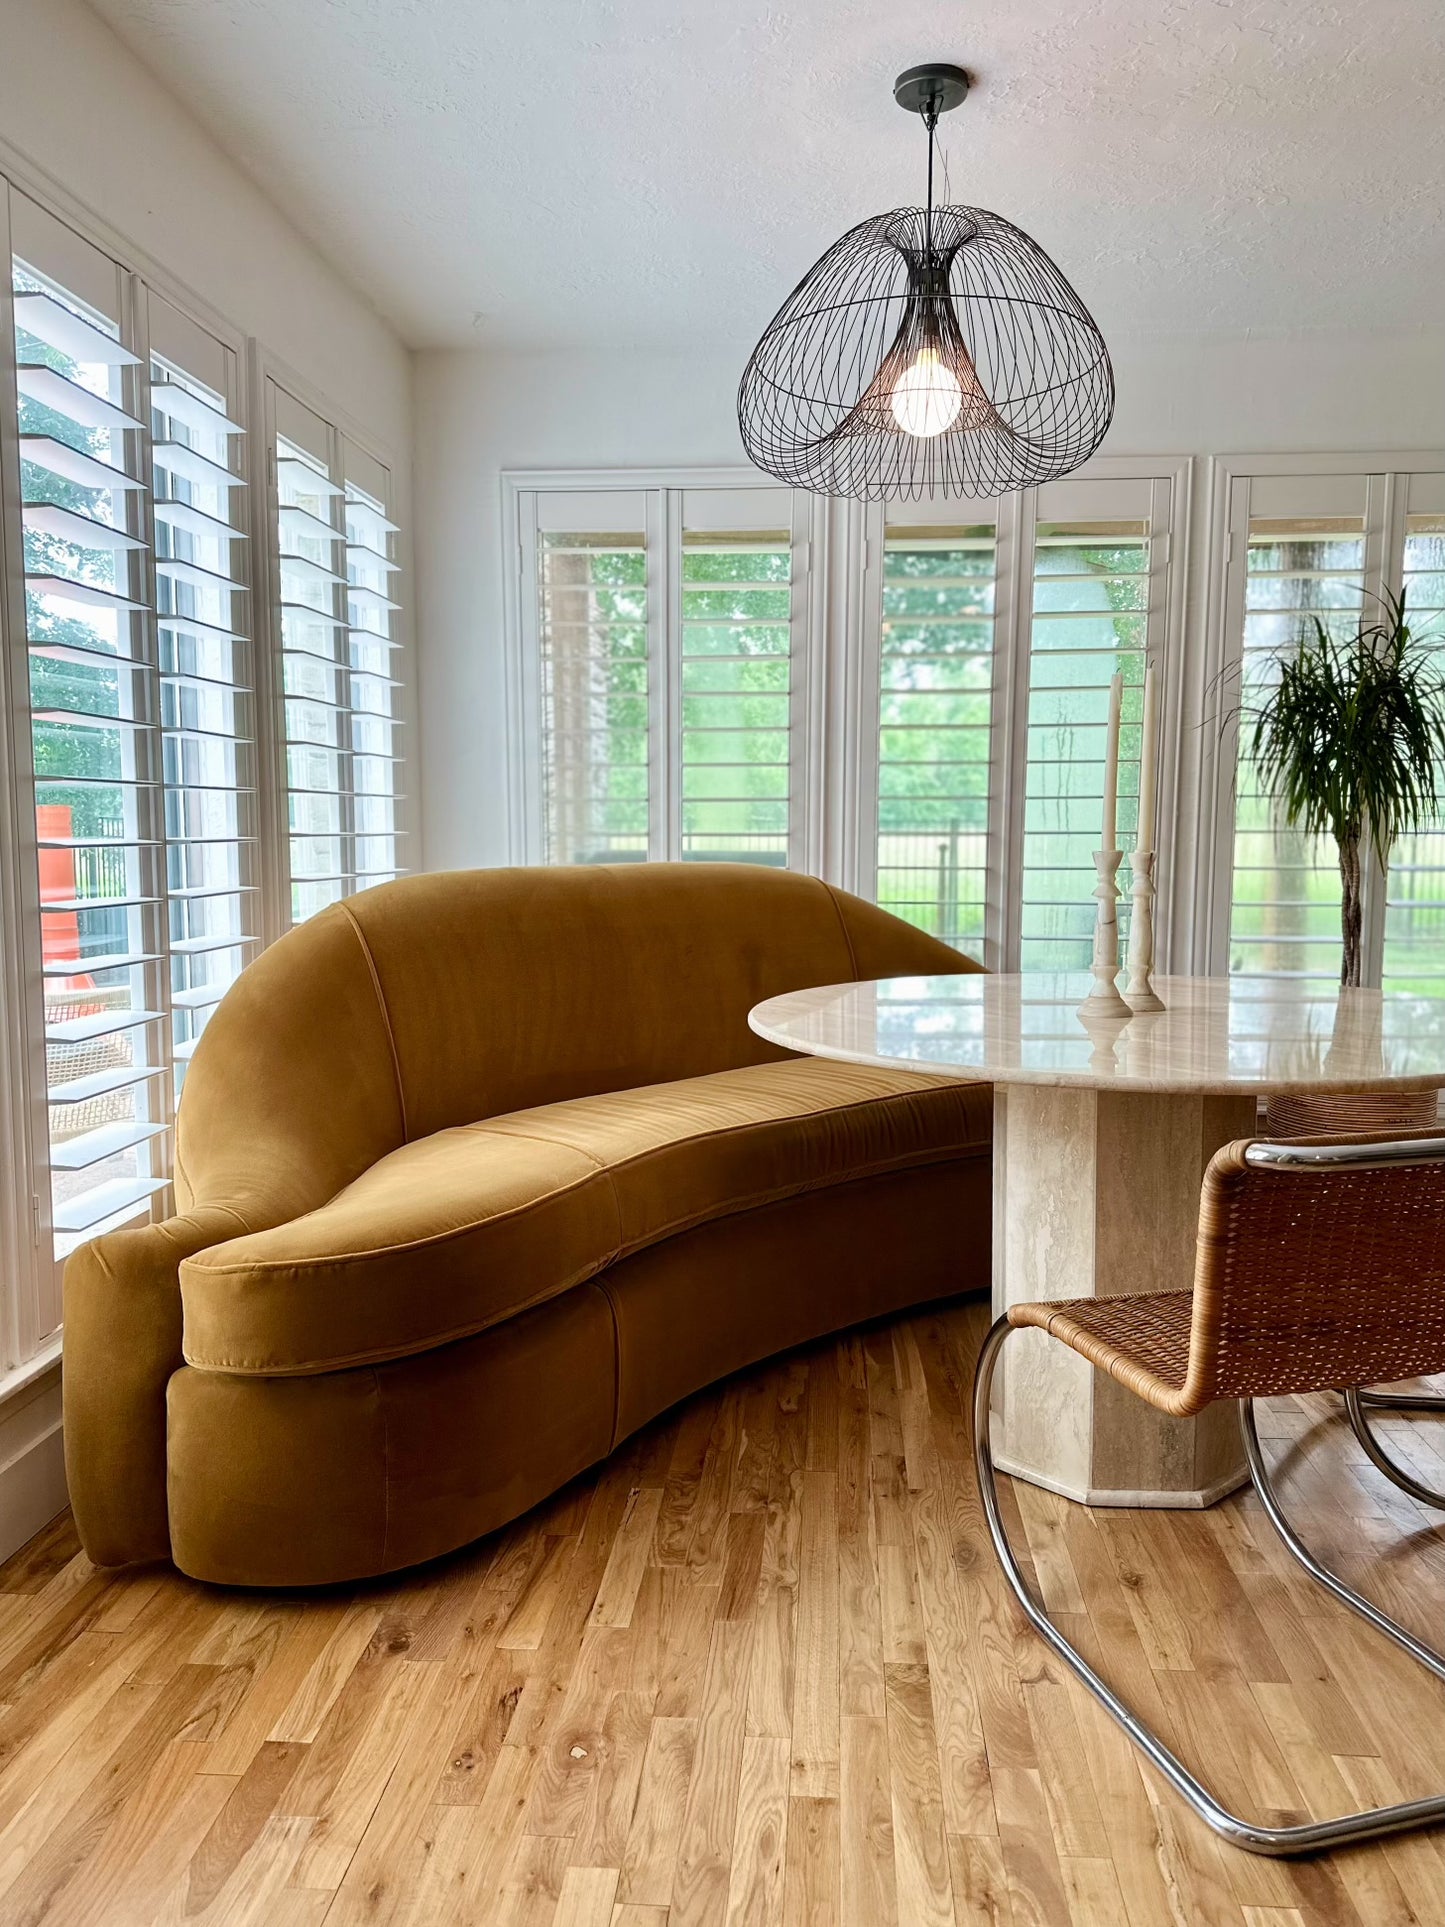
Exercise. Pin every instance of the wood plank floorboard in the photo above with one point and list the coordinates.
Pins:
(758, 1670)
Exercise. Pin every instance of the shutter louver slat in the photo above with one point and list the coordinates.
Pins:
(40, 382)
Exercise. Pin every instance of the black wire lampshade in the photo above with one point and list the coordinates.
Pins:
(930, 351)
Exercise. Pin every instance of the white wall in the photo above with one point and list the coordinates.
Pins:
(478, 414)
(77, 103)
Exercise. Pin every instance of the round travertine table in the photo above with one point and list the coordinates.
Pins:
(1102, 1131)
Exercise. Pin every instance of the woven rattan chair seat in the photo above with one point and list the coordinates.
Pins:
(1142, 1341)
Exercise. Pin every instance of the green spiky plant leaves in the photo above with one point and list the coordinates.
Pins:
(1351, 740)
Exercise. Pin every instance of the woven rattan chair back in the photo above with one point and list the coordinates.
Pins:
(1319, 1264)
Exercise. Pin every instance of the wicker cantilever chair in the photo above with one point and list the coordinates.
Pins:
(1318, 1265)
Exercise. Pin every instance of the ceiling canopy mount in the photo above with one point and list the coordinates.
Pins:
(930, 90)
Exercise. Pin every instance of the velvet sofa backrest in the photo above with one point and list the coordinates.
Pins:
(453, 996)
(509, 988)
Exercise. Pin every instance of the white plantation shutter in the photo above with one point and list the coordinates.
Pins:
(311, 610)
(723, 670)
(95, 746)
(668, 656)
(737, 665)
(139, 733)
(1299, 553)
(373, 686)
(1098, 604)
(937, 766)
(140, 718)
(1414, 935)
(597, 678)
(336, 573)
(142, 771)
(206, 660)
(998, 628)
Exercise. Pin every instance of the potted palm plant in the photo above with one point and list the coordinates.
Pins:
(1351, 740)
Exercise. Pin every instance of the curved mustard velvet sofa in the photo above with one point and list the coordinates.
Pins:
(475, 1174)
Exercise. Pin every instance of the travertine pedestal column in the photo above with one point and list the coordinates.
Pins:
(1096, 1194)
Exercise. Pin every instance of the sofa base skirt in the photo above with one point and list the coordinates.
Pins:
(313, 1480)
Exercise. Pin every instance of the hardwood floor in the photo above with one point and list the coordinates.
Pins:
(758, 1668)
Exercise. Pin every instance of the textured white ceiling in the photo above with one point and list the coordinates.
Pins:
(544, 173)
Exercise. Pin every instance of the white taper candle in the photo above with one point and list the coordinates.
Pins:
(1109, 840)
(1148, 763)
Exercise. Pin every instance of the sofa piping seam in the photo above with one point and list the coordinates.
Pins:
(843, 926)
(385, 1015)
(600, 1168)
(593, 1270)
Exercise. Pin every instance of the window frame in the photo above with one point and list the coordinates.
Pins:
(30, 1334)
(1206, 895)
(269, 373)
(30, 1313)
(838, 584)
(663, 492)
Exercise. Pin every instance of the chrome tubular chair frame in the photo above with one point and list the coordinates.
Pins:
(1310, 1837)
(1402, 1401)
(1359, 1399)
(1358, 1402)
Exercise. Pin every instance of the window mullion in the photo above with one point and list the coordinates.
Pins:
(664, 609)
(151, 792)
(1166, 543)
(1010, 741)
(261, 519)
(854, 635)
(1223, 698)
(807, 546)
(1384, 571)
(527, 790)
(342, 612)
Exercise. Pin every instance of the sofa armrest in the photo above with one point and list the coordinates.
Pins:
(122, 1343)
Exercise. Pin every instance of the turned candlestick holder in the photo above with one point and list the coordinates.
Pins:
(1104, 999)
(1139, 991)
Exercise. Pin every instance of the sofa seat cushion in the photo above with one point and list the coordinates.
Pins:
(457, 1231)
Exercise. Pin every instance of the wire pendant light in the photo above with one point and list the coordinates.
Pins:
(930, 351)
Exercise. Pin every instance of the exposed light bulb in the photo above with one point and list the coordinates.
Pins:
(927, 396)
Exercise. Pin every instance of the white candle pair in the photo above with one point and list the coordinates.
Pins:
(1148, 764)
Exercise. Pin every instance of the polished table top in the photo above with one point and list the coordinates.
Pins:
(1216, 1034)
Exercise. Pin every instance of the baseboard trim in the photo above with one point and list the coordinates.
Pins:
(32, 1460)
(1141, 1501)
